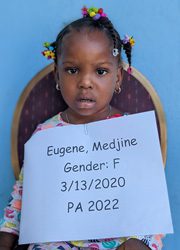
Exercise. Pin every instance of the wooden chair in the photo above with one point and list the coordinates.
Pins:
(40, 100)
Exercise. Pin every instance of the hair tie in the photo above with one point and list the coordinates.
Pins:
(128, 40)
(49, 51)
(95, 13)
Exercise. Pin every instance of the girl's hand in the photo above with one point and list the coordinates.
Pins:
(133, 244)
(7, 241)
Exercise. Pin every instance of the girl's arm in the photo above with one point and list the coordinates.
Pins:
(148, 242)
(7, 241)
(9, 227)
(133, 244)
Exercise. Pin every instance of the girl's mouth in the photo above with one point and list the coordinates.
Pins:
(85, 103)
(86, 100)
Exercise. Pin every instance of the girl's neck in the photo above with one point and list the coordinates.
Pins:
(70, 117)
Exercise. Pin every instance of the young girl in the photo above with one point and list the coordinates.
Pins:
(88, 70)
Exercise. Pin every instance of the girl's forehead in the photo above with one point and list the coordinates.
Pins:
(85, 42)
(89, 34)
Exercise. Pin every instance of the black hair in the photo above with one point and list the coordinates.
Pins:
(102, 24)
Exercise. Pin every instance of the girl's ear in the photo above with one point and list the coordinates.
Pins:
(119, 77)
(56, 76)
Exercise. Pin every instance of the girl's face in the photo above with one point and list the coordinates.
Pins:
(88, 75)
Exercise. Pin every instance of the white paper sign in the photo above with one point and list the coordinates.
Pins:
(99, 180)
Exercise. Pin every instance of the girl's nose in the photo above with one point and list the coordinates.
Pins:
(85, 82)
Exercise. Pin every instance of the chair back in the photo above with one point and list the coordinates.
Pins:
(40, 100)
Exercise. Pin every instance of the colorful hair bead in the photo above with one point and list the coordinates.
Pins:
(49, 51)
(129, 70)
(97, 16)
(100, 11)
(84, 11)
(128, 39)
(49, 54)
(93, 12)
(132, 41)
(46, 45)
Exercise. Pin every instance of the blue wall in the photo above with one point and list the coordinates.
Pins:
(25, 25)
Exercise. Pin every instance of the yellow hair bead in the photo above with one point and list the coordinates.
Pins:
(132, 41)
(52, 54)
(92, 14)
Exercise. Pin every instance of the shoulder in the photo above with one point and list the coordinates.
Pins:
(51, 123)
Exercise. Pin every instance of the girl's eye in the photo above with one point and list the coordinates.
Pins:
(101, 72)
(72, 71)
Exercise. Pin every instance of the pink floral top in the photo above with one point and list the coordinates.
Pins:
(10, 222)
